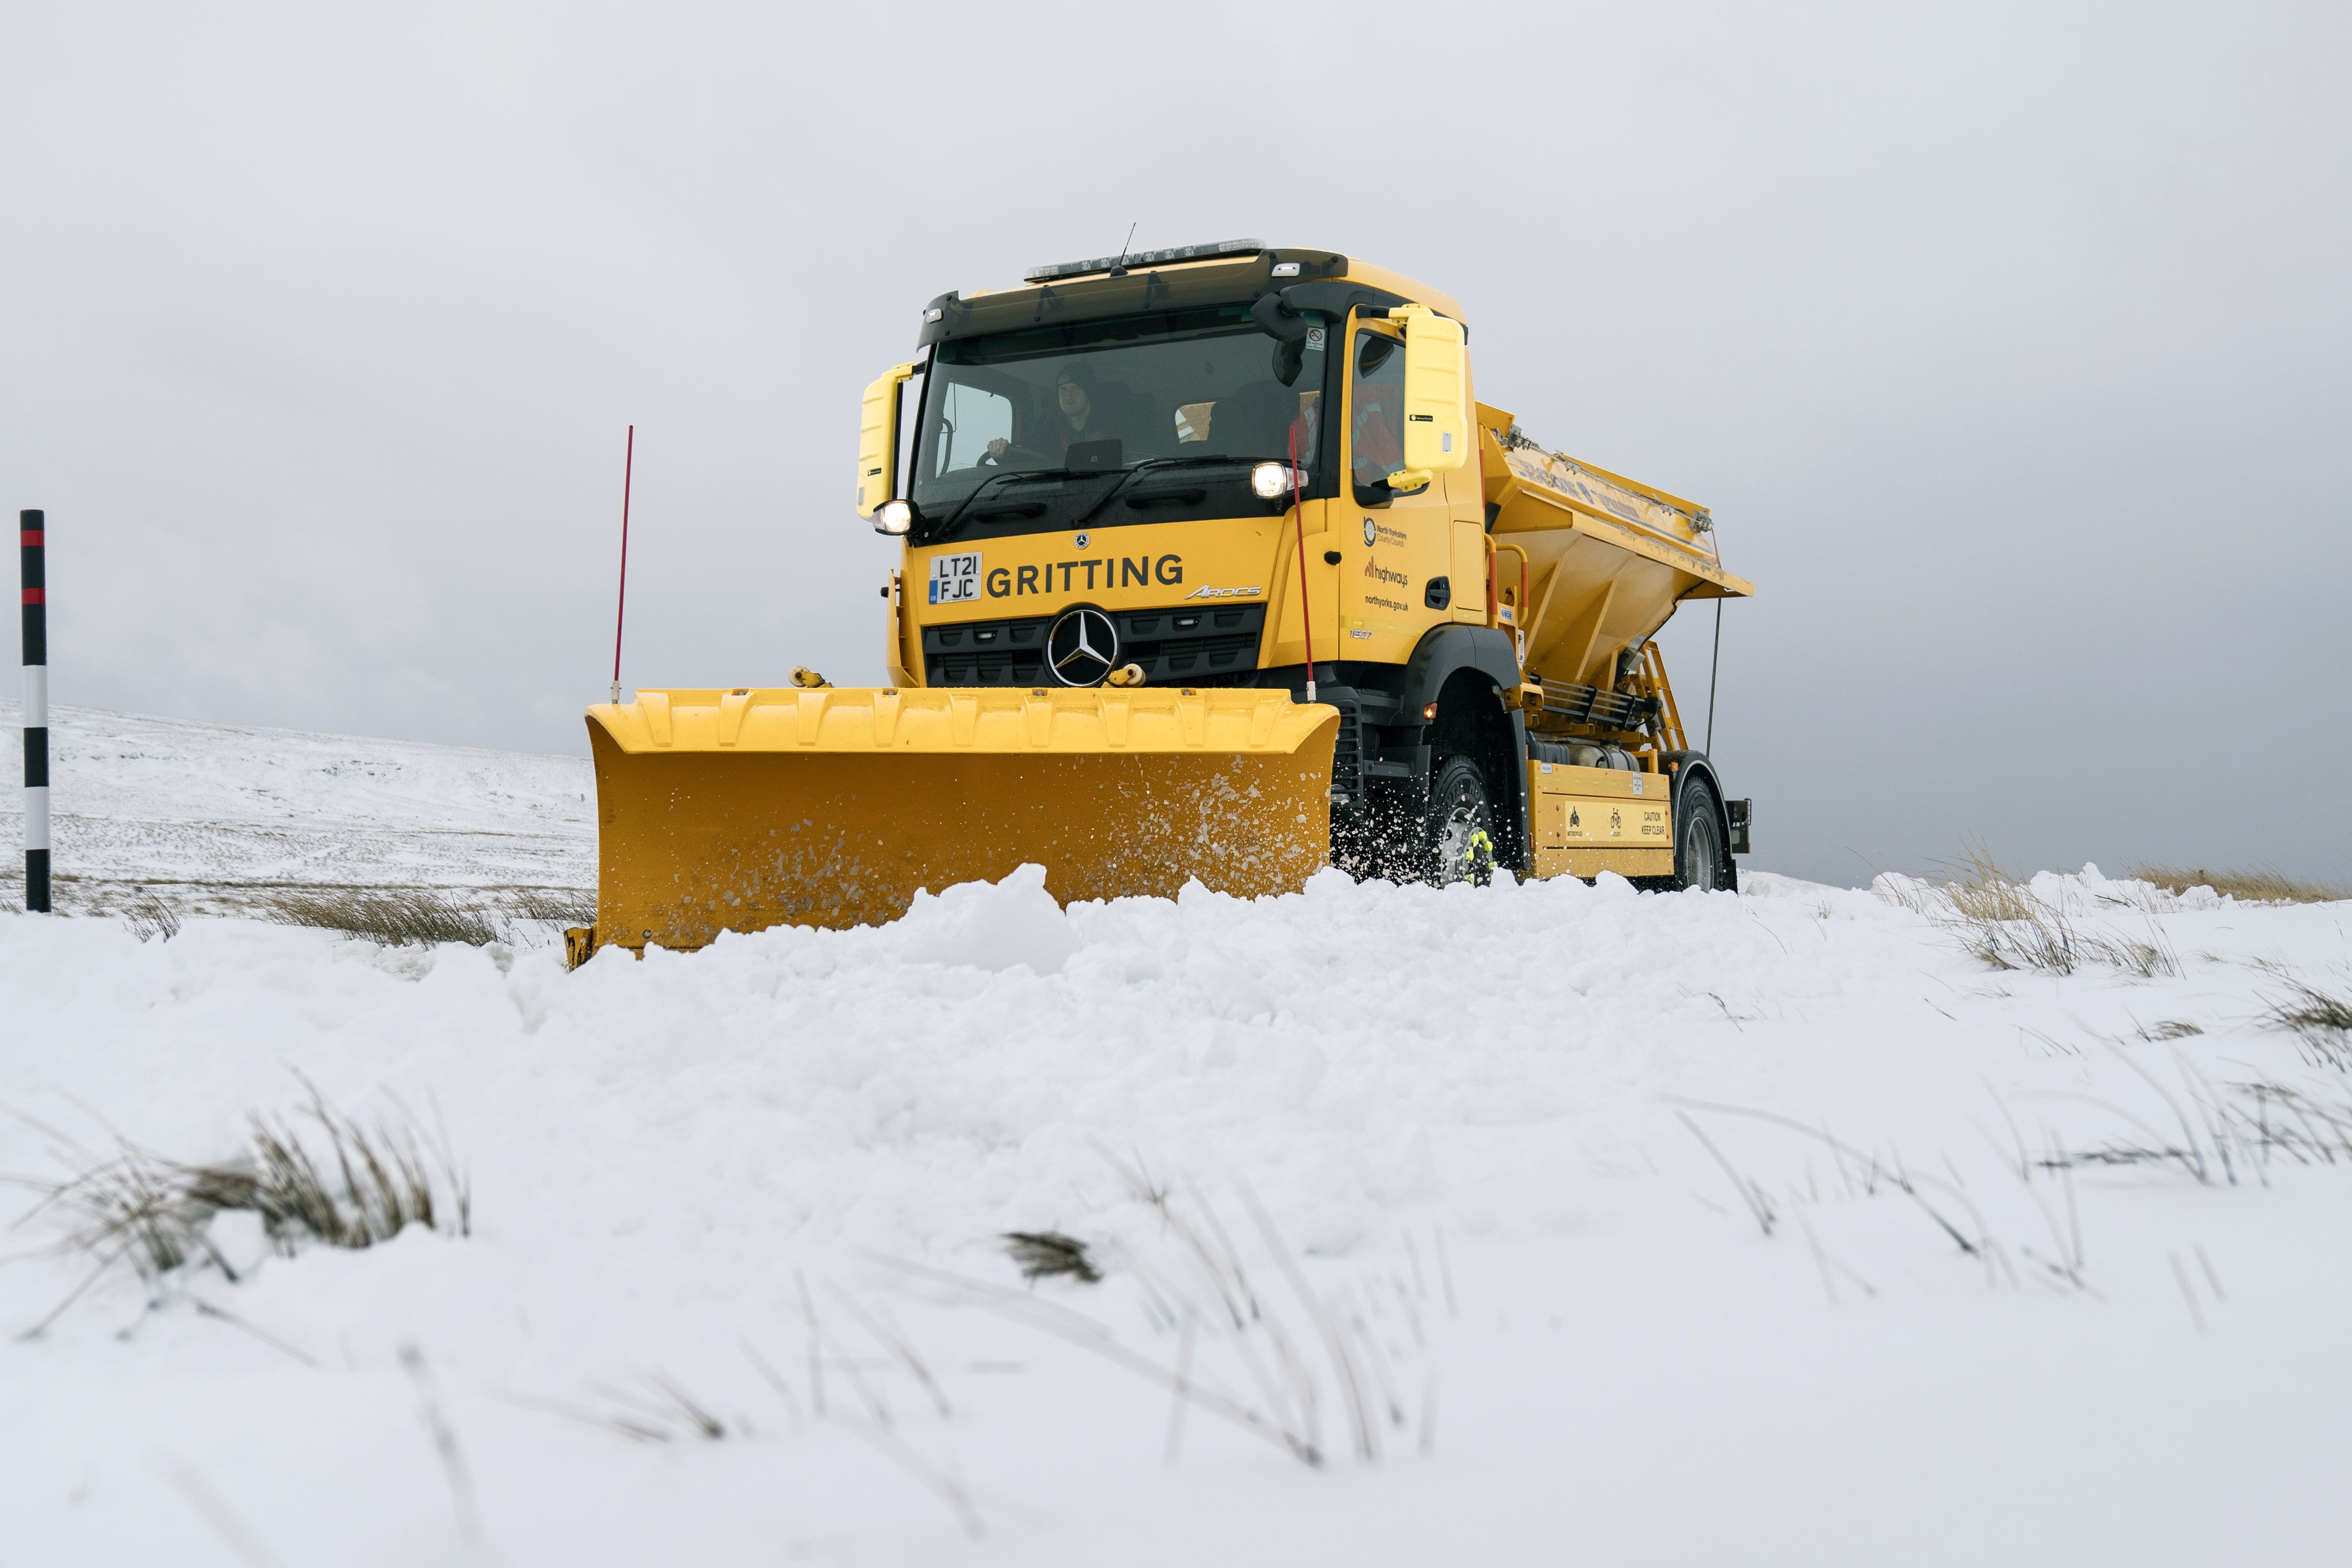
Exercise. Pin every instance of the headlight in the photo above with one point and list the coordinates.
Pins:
(894, 517)
(1271, 480)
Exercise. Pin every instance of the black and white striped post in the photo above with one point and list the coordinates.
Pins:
(31, 528)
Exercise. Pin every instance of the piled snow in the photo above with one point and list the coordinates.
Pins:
(2086, 891)
(1501, 1134)
(989, 926)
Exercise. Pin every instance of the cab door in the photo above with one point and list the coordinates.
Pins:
(1398, 576)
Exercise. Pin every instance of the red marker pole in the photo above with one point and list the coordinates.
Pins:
(31, 531)
(621, 612)
(1298, 516)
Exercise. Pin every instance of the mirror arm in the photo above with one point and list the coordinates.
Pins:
(1277, 320)
(1278, 314)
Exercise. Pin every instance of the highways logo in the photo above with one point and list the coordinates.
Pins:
(1082, 647)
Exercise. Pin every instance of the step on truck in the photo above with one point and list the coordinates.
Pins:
(1212, 566)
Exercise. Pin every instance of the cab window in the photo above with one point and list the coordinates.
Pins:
(970, 417)
(1376, 408)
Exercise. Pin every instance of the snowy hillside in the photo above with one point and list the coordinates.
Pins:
(212, 815)
(1524, 1225)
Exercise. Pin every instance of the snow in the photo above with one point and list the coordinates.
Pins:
(1504, 1140)
(214, 815)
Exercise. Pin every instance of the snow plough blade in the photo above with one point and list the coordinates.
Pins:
(739, 810)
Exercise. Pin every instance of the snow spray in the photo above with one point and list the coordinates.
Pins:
(31, 528)
(621, 611)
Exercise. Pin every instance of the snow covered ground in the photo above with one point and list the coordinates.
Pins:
(1767, 1228)
(213, 817)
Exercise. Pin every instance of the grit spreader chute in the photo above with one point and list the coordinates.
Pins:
(739, 810)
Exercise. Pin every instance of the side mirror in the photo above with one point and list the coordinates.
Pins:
(1436, 396)
(877, 440)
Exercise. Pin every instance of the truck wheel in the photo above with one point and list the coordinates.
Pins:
(1698, 839)
(1461, 825)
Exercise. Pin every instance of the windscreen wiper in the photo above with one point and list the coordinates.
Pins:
(1154, 465)
(947, 522)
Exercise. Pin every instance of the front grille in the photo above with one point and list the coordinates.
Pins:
(1179, 646)
(988, 653)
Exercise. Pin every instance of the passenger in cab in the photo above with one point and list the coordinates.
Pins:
(1262, 420)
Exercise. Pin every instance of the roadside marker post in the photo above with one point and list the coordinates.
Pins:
(620, 610)
(32, 528)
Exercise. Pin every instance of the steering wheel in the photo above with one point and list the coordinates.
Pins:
(988, 459)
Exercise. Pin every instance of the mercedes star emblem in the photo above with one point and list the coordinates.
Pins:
(1082, 647)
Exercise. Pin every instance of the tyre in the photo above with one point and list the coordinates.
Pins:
(1699, 858)
(1459, 833)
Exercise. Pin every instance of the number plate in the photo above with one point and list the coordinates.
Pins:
(955, 579)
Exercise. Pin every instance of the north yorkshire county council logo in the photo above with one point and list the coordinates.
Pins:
(1082, 647)
(1371, 533)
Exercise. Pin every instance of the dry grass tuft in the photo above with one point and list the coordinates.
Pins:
(654, 1409)
(2000, 921)
(317, 1175)
(397, 917)
(150, 916)
(2322, 1020)
(2229, 1132)
(553, 906)
(1042, 1254)
(2267, 887)
(404, 917)
(1268, 1360)
(1980, 890)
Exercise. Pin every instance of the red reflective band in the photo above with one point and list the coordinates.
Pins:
(34, 597)
(31, 536)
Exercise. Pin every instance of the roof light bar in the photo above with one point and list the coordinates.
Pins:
(1061, 269)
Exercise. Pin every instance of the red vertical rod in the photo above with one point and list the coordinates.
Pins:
(621, 613)
(1298, 516)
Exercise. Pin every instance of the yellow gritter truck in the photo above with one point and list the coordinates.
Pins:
(1212, 566)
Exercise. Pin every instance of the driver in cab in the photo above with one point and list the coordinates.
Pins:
(1074, 393)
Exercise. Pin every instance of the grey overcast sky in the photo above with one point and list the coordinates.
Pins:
(2008, 342)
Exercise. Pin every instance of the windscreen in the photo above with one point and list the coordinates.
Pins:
(1031, 429)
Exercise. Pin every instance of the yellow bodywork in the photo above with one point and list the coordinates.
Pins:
(1606, 559)
(877, 437)
(1585, 821)
(738, 810)
(1436, 397)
